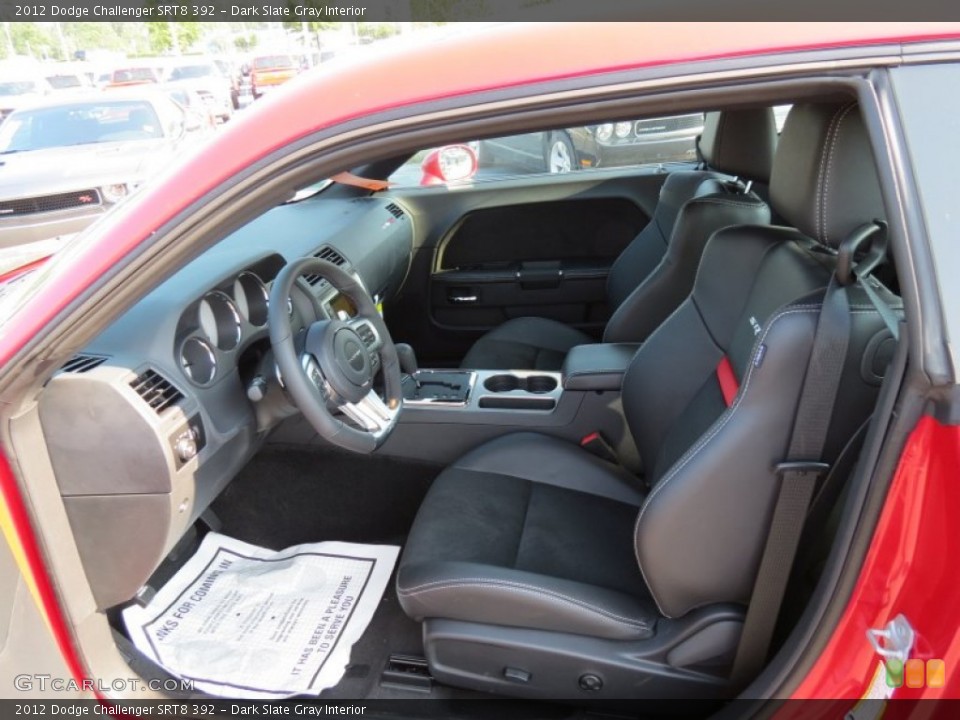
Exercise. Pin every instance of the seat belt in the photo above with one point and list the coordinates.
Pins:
(798, 480)
(804, 466)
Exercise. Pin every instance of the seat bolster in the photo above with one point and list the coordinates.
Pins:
(550, 460)
(645, 309)
(505, 596)
(528, 343)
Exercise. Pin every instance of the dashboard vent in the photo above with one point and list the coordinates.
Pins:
(82, 363)
(158, 392)
(395, 210)
(330, 255)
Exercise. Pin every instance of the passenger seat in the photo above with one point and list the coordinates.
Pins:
(655, 272)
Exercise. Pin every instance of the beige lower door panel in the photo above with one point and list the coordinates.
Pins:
(27, 648)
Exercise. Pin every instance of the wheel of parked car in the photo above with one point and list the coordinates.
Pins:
(561, 155)
(331, 367)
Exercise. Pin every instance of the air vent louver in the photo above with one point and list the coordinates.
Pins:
(82, 363)
(395, 210)
(158, 392)
(330, 255)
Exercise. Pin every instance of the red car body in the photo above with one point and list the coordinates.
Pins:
(910, 566)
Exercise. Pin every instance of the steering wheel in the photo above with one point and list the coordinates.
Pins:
(338, 361)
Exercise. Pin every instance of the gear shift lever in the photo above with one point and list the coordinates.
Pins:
(408, 360)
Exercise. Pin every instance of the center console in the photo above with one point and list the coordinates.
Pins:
(448, 412)
(482, 389)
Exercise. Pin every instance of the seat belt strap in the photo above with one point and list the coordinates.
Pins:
(798, 480)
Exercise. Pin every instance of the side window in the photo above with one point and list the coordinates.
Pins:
(628, 143)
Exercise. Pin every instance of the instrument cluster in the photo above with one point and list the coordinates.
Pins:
(226, 317)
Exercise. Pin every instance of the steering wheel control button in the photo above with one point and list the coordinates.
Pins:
(591, 682)
(516, 675)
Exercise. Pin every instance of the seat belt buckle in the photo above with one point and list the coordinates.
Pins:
(596, 444)
(802, 467)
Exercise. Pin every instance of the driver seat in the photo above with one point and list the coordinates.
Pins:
(540, 570)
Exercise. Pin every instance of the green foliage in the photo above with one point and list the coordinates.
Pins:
(167, 36)
(448, 10)
(245, 43)
(33, 39)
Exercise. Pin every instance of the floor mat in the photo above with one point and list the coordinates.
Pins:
(289, 495)
(245, 622)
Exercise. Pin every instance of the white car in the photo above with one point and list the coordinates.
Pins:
(17, 91)
(67, 161)
(204, 77)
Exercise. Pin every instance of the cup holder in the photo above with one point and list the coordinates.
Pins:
(541, 384)
(536, 384)
(502, 383)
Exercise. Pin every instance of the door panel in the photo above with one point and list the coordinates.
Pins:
(530, 246)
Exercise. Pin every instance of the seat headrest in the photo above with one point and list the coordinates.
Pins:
(740, 142)
(824, 179)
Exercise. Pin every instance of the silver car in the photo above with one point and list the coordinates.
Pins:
(64, 163)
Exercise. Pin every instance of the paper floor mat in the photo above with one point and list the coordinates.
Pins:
(245, 622)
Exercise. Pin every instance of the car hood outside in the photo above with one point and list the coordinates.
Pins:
(63, 169)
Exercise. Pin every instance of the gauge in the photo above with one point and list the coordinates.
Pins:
(197, 360)
(219, 320)
(252, 298)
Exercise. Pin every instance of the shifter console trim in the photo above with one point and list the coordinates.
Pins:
(441, 402)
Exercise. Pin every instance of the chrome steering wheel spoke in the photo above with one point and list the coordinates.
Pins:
(371, 413)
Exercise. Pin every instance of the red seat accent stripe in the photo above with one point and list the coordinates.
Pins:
(729, 385)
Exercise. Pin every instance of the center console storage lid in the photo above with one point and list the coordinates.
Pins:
(597, 367)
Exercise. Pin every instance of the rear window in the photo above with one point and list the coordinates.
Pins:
(64, 82)
(270, 62)
(188, 72)
(134, 75)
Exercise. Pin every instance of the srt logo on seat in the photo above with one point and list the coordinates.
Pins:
(755, 325)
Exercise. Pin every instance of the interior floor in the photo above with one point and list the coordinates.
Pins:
(289, 495)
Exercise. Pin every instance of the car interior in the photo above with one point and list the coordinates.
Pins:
(577, 438)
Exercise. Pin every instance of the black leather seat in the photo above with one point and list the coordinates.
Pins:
(535, 564)
(656, 270)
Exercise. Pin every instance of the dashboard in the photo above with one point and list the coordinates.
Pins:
(168, 385)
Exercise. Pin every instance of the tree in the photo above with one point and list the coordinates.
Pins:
(173, 36)
(245, 43)
(35, 40)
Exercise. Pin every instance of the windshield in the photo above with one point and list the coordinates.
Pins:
(20, 87)
(272, 61)
(134, 75)
(79, 124)
(188, 72)
(64, 82)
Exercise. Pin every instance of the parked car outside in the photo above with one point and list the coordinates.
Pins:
(66, 80)
(628, 142)
(268, 72)
(205, 78)
(18, 91)
(67, 161)
(130, 76)
(199, 111)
